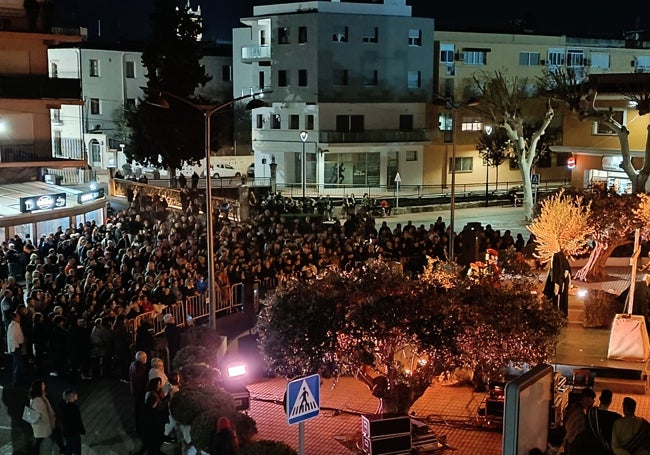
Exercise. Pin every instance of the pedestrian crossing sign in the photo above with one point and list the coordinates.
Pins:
(303, 399)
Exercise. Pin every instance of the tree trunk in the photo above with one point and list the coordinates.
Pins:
(595, 270)
(400, 398)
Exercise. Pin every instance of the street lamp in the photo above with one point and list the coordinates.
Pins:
(207, 111)
(488, 131)
(449, 104)
(304, 135)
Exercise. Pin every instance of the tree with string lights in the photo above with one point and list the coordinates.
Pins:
(398, 334)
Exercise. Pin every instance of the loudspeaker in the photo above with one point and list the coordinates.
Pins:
(397, 444)
(379, 425)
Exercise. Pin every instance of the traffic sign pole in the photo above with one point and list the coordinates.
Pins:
(301, 438)
(398, 179)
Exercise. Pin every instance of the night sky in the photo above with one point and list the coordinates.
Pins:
(128, 19)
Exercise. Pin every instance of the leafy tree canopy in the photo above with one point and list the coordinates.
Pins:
(377, 323)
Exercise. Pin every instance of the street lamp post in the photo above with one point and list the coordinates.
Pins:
(449, 103)
(207, 111)
(304, 135)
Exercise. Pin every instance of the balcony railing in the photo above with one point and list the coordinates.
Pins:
(41, 150)
(380, 136)
(38, 87)
(249, 53)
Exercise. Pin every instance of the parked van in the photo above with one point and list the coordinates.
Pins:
(220, 167)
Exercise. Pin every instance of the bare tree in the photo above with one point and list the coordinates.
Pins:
(503, 101)
(581, 95)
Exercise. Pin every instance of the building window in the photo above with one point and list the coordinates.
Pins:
(414, 79)
(471, 124)
(447, 53)
(130, 103)
(276, 124)
(94, 106)
(340, 35)
(474, 57)
(58, 151)
(309, 122)
(370, 77)
(226, 73)
(261, 77)
(56, 116)
(259, 121)
(283, 35)
(555, 57)
(575, 57)
(340, 77)
(406, 122)
(371, 36)
(283, 78)
(302, 78)
(642, 63)
(262, 37)
(95, 152)
(349, 123)
(93, 70)
(294, 122)
(54, 70)
(302, 34)
(415, 37)
(411, 155)
(129, 69)
(600, 60)
(529, 58)
(445, 121)
(463, 164)
(604, 130)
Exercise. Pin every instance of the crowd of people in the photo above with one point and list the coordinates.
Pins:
(598, 430)
(68, 299)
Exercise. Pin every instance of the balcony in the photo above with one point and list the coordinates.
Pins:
(39, 87)
(374, 136)
(41, 150)
(255, 53)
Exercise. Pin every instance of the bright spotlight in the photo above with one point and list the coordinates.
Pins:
(236, 371)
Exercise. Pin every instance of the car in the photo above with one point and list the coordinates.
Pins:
(221, 170)
(250, 171)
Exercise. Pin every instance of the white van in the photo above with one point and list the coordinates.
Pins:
(220, 167)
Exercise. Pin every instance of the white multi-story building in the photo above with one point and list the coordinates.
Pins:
(111, 78)
(356, 78)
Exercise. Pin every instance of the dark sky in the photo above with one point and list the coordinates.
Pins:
(128, 19)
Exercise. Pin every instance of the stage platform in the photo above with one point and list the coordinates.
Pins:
(586, 348)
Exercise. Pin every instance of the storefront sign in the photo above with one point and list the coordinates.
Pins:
(612, 163)
(90, 196)
(42, 202)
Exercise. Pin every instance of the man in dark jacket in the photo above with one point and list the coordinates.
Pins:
(138, 378)
(72, 426)
(172, 335)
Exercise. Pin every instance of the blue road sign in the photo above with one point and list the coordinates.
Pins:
(534, 179)
(303, 399)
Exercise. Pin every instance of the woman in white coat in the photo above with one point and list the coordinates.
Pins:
(45, 425)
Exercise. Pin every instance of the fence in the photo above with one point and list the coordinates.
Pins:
(228, 299)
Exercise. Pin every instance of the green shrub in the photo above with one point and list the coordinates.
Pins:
(266, 447)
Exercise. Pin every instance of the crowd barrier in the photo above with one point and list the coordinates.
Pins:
(229, 299)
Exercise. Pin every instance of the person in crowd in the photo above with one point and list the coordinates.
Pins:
(600, 421)
(15, 342)
(577, 440)
(630, 433)
(154, 417)
(172, 335)
(157, 370)
(44, 426)
(72, 427)
(138, 377)
(224, 440)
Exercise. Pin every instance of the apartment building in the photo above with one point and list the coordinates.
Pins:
(112, 78)
(350, 85)
(28, 95)
(593, 148)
